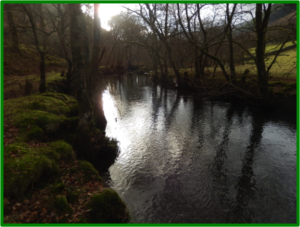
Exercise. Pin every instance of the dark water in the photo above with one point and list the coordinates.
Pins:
(188, 161)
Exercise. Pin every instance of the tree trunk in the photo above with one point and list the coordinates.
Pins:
(78, 85)
(197, 73)
(42, 87)
(41, 51)
(12, 26)
(261, 26)
(95, 76)
(229, 37)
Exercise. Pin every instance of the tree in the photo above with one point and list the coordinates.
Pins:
(13, 29)
(40, 40)
(191, 36)
(60, 22)
(81, 77)
(156, 16)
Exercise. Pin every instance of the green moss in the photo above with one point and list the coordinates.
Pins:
(73, 170)
(48, 111)
(72, 195)
(108, 207)
(90, 173)
(55, 103)
(57, 188)
(50, 153)
(21, 172)
(61, 205)
(47, 121)
(15, 148)
(37, 106)
(36, 133)
(279, 94)
(64, 149)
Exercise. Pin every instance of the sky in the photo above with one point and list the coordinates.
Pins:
(106, 11)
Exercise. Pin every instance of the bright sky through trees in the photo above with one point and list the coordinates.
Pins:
(106, 11)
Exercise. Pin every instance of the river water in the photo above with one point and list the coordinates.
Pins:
(184, 160)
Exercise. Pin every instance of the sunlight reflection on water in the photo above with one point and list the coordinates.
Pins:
(184, 161)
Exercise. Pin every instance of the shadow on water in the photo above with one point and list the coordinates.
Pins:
(188, 161)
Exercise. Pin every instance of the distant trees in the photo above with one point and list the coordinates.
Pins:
(35, 14)
(165, 36)
(13, 28)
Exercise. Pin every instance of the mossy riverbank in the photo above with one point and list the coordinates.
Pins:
(43, 180)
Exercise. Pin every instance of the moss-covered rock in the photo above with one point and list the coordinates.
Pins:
(49, 122)
(36, 133)
(21, 172)
(108, 207)
(64, 149)
(57, 188)
(90, 173)
(73, 195)
(40, 115)
(61, 205)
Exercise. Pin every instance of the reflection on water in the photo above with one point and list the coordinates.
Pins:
(187, 161)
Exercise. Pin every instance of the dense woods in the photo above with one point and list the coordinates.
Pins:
(214, 50)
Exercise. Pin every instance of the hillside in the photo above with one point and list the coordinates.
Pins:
(25, 67)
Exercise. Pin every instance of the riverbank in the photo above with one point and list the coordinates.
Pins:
(44, 182)
(282, 91)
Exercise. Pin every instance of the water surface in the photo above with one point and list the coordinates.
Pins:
(183, 160)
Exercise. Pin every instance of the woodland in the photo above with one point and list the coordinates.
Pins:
(57, 55)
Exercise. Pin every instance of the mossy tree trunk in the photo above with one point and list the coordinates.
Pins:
(96, 76)
(83, 80)
(78, 84)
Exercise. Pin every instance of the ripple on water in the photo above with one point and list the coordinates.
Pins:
(187, 161)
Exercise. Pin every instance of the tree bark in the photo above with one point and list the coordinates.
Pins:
(261, 24)
(229, 37)
(12, 26)
(95, 76)
(42, 53)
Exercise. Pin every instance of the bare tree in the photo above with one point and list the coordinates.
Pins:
(40, 40)
(13, 28)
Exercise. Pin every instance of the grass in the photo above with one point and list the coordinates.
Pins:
(16, 84)
(285, 65)
(272, 47)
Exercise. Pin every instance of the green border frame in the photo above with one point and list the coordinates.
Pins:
(131, 1)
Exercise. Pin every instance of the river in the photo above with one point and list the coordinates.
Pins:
(183, 160)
